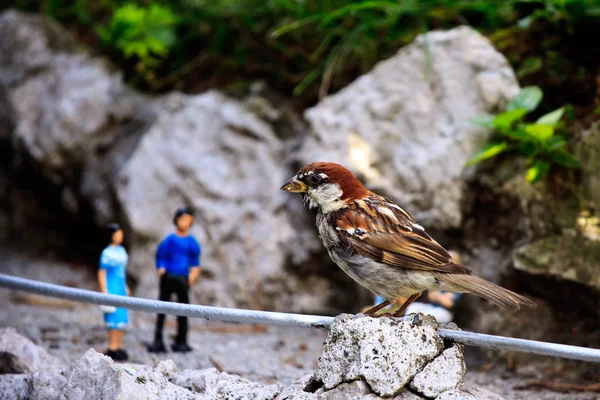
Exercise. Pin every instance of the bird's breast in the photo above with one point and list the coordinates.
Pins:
(327, 232)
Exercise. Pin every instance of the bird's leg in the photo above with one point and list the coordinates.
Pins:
(371, 311)
(406, 304)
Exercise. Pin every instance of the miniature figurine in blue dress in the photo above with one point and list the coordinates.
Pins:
(112, 280)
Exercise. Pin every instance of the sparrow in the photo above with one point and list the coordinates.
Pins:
(381, 246)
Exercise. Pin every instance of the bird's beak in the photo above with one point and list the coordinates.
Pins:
(294, 186)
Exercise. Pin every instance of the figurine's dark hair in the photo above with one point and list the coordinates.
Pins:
(110, 231)
(182, 211)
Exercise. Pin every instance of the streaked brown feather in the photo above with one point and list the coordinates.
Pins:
(389, 234)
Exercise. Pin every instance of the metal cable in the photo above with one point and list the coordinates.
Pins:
(283, 319)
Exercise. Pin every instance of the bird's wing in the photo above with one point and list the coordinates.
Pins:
(378, 228)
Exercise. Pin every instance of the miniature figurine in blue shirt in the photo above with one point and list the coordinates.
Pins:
(112, 280)
(177, 254)
(178, 267)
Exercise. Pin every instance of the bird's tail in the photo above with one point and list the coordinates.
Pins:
(488, 290)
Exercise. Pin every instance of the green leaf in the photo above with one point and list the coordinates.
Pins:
(565, 159)
(540, 132)
(141, 32)
(530, 66)
(528, 149)
(489, 151)
(282, 30)
(306, 82)
(552, 117)
(528, 98)
(505, 120)
(520, 135)
(556, 143)
(537, 171)
(487, 121)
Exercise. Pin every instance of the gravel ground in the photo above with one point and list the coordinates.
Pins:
(260, 353)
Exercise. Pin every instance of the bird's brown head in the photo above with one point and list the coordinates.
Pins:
(326, 186)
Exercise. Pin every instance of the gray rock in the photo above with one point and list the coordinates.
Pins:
(165, 367)
(403, 127)
(47, 384)
(95, 375)
(472, 393)
(64, 106)
(483, 394)
(28, 354)
(211, 384)
(456, 395)
(303, 389)
(17, 387)
(133, 159)
(446, 372)
(352, 390)
(98, 376)
(209, 152)
(572, 258)
(30, 44)
(50, 105)
(385, 352)
(361, 391)
(299, 390)
(65, 100)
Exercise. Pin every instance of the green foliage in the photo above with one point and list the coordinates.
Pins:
(542, 142)
(311, 47)
(143, 33)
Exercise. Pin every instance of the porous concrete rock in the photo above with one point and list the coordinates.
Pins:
(403, 395)
(48, 384)
(473, 393)
(211, 384)
(15, 386)
(306, 388)
(456, 395)
(385, 352)
(165, 367)
(446, 372)
(27, 353)
(404, 127)
(483, 394)
(299, 390)
(360, 390)
(351, 390)
(98, 376)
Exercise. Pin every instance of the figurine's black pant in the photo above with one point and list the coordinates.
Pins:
(178, 285)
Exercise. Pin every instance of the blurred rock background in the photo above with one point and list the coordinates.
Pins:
(122, 112)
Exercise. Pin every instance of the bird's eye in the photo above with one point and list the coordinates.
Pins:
(314, 179)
